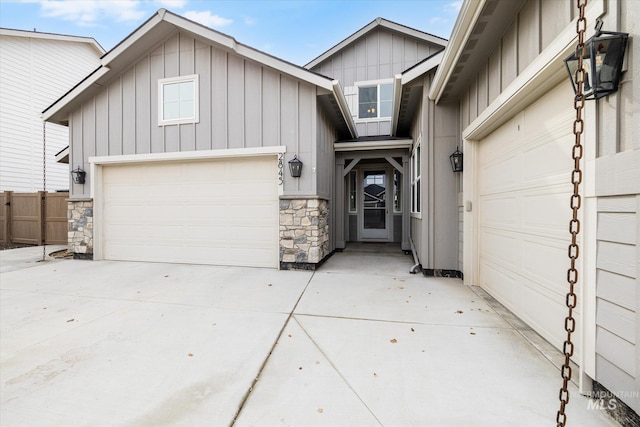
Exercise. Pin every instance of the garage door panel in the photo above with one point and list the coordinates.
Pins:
(524, 180)
(222, 212)
(546, 261)
(546, 158)
(502, 247)
(547, 211)
(499, 282)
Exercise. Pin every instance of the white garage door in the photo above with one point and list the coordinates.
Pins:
(524, 211)
(222, 212)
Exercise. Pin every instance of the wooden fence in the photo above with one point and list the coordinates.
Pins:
(33, 218)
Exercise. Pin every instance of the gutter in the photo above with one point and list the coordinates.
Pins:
(397, 97)
(344, 108)
(462, 30)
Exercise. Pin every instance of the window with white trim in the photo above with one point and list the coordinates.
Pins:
(352, 192)
(415, 179)
(375, 100)
(178, 100)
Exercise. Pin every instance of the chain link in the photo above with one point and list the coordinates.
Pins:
(44, 189)
(574, 224)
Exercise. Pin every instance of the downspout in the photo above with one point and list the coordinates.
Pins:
(416, 267)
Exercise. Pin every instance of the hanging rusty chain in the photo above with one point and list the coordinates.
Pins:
(574, 224)
(44, 189)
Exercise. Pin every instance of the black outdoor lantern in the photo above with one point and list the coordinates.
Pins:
(295, 167)
(456, 160)
(602, 62)
(78, 175)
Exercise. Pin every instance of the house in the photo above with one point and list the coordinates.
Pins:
(504, 70)
(35, 70)
(186, 136)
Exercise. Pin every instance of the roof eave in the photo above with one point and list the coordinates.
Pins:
(344, 108)
(465, 23)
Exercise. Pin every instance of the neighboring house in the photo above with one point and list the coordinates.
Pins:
(504, 69)
(35, 70)
(185, 135)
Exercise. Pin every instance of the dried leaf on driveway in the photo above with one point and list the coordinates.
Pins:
(393, 341)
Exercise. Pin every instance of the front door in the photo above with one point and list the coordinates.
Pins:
(376, 190)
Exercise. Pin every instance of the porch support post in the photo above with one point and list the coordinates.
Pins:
(406, 203)
(339, 205)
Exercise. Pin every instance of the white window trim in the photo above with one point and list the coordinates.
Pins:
(196, 99)
(370, 83)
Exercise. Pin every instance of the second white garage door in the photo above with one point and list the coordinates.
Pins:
(524, 180)
(221, 212)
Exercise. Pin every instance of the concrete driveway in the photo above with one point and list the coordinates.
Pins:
(361, 342)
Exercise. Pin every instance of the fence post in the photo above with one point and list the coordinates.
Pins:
(6, 217)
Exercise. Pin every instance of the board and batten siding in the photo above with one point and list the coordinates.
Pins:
(34, 72)
(536, 26)
(618, 257)
(242, 104)
(378, 55)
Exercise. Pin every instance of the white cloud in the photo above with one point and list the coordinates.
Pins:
(171, 4)
(93, 12)
(206, 18)
(455, 5)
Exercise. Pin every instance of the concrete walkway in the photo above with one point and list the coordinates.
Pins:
(361, 342)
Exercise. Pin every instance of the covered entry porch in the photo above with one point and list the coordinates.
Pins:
(372, 191)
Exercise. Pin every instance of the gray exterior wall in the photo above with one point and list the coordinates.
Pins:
(617, 195)
(616, 180)
(435, 230)
(537, 24)
(242, 104)
(378, 55)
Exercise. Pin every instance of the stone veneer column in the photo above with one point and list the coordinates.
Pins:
(80, 231)
(304, 232)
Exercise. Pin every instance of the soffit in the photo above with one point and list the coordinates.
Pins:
(493, 21)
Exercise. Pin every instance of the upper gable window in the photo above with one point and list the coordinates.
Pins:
(375, 100)
(178, 100)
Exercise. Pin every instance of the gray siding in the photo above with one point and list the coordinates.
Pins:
(242, 104)
(435, 232)
(378, 55)
(617, 352)
(537, 24)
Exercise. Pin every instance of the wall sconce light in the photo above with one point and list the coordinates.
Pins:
(602, 62)
(456, 160)
(295, 167)
(78, 175)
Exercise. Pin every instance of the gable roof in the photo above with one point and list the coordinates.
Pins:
(52, 36)
(159, 26)
(378, 23)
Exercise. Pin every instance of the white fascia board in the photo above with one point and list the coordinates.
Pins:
(414, 33)
(343, 43)
(542, 74)
(372, 145)
(51, 36)
(62, 155)
(469, 14)
(134, 37)
(344, 108)
(247, 52)
(397, 96)
(70, 96)
(419, 70)
(188, 155)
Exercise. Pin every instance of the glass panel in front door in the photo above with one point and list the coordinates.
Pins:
(374, 201)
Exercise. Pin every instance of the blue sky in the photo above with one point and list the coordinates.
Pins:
(294, 30)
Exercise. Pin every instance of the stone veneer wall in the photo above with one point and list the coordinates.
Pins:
(80, 234)
(304, 232)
